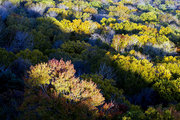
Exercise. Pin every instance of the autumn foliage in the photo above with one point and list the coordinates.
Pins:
(89, 59)
(60, 75)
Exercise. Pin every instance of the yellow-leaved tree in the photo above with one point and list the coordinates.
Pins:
(60, 75)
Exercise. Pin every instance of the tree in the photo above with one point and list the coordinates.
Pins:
(120, 42)
(60, 74)
(150, 16)
(168, 89)
(39, 106)
(22, 41)
(106, 85)
(6, 57)
(75, 47)
(34, 56)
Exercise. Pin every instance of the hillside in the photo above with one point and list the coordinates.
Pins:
(90, 59)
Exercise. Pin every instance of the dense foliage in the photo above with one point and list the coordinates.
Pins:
(90, 59)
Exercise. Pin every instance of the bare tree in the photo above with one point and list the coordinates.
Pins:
(106, 71)
(22, 40)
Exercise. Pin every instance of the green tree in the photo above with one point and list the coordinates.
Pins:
(149, 16)
(6, 57)
(106, 85)
(34, 56)
(75, 46)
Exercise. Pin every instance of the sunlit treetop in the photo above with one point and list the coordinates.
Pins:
(60, 74)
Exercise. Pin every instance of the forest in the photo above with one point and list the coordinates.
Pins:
(89, 59)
